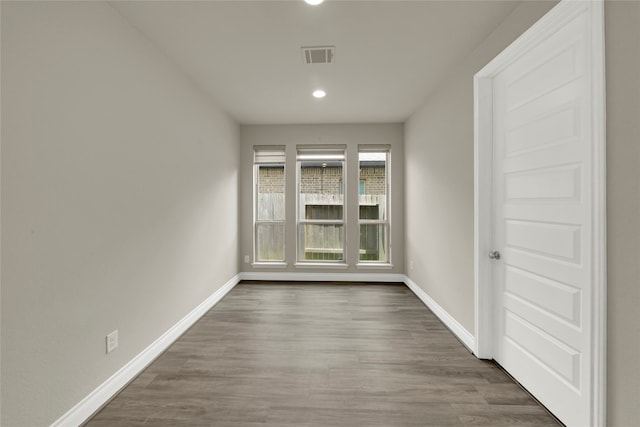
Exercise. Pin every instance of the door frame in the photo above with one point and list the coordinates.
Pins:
(483, 187)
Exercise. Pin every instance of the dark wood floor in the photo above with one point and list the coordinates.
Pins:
(312, 354)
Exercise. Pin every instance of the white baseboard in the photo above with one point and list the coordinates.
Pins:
(322, 277)
(450, 322)
(101, 395)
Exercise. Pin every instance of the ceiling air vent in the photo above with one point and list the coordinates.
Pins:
(318, 54)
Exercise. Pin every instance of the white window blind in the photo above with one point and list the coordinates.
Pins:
(268, 155)
(313, 152)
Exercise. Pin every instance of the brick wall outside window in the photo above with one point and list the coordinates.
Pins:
(319, 180)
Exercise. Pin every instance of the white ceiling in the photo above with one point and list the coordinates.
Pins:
(246, 54)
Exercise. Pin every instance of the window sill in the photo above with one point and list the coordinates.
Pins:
(375, 265)
(321, 265)
(269, 265)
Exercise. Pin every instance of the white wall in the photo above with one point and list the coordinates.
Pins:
(0, 231)
(439, 175)
(119, 186)
(119, 201)
(348, 134)
(622, 44)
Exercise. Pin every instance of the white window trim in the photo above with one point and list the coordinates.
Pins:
(321, 264)
(375, 265)
(387, 222)
(256, 221)
(270, 264)
(331, 153)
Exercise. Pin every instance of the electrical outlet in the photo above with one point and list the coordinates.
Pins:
(112, 341)
(246, 259)
(411, 265)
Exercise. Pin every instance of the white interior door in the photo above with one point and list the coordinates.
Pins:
(545, 204)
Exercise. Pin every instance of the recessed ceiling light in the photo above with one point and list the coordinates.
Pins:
(319, 93)
(313, 2)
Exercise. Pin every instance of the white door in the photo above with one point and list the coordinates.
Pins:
(544, 198)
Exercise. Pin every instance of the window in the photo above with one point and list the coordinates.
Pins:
(373, 205)
(321, 204)
(269, 215)
(330, 199)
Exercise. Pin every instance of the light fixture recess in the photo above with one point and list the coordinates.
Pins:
(313, 2)
(319, 93)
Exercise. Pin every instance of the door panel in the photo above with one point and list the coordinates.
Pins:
(548, 296)
(543, 220)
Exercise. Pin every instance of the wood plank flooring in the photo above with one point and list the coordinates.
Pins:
(315, 354)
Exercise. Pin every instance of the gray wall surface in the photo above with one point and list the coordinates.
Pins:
(622, 44)
(439, 175)
(119, 201)
(350, 135)
(127, 197)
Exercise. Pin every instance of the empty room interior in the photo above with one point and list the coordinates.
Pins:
(244, 213)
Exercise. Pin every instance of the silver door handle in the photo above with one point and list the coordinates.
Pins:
(494, 255)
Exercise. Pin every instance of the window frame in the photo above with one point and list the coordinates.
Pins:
(386, 223)
(334, 153)
(278, 159)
